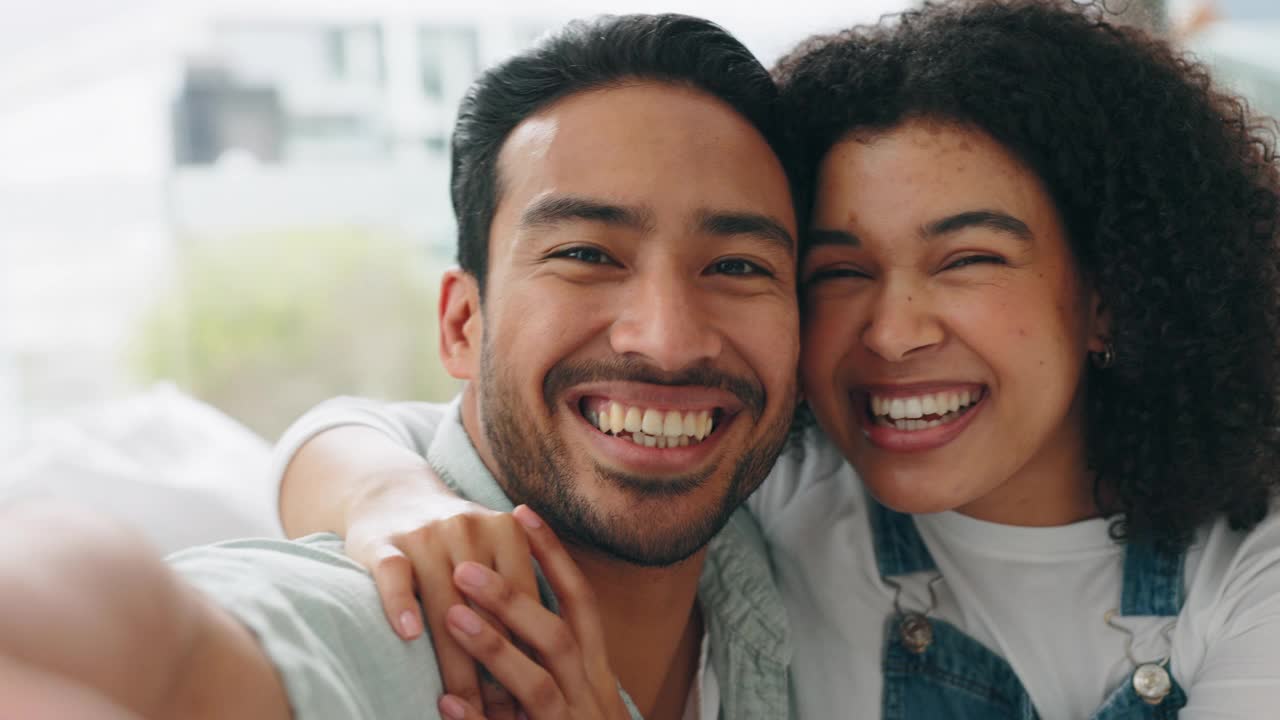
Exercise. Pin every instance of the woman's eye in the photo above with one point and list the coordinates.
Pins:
(738, 266)
(593, 256)
(968, 260)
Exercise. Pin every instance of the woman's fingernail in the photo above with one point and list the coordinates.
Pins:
(462, 618)
(451, 707)
(409, 626)
(472, 575)
(527, 517)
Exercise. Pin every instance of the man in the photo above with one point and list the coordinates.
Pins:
(626, 313)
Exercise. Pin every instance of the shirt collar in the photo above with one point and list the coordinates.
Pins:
(453, 456)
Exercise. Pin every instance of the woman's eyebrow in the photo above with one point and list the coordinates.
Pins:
(992, 219)
(818, 236)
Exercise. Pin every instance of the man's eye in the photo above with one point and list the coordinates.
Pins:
(593, 256)
(738, 266)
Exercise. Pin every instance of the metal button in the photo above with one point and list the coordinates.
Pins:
(916, 632)
(1152, 683)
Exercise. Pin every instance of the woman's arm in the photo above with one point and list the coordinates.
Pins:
(357, 468)
(343, 467)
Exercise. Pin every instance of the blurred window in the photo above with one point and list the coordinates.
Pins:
(449, 60)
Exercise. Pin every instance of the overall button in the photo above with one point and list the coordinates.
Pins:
(917, 633)
(1152, 683)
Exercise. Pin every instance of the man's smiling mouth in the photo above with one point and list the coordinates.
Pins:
(649, 426)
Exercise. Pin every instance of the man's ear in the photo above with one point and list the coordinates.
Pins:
(461, 324)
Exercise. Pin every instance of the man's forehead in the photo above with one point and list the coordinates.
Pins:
(591, 121)
(639, 143)
(532, 138)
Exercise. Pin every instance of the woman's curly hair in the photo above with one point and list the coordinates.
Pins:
(1168, 190)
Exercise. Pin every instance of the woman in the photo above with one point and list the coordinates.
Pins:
(1041, 318)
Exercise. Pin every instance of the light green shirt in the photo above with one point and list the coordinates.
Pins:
(318, 616)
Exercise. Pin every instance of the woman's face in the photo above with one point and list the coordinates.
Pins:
(948, 328)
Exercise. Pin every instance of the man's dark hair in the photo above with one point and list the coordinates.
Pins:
(588, 55)
(1169, 190)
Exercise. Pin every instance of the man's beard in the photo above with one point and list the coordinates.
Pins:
(533, 467)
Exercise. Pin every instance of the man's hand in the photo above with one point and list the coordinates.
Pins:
(32, 694)
(97, 625)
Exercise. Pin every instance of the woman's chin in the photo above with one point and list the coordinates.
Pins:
(916, 493)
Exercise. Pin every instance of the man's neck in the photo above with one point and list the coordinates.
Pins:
(652, 627)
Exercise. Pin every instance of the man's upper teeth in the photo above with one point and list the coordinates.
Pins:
(917, 406)
(616, 418)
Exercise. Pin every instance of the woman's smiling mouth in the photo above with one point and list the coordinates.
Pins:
(923, 411)
(915, 419)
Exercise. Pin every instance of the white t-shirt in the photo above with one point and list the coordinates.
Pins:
(1034, 596)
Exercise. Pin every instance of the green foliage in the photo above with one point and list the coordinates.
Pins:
(265, 326)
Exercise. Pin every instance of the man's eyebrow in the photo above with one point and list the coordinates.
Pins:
(832, 237)
(557, 209)
(992, 219)
(747, 223)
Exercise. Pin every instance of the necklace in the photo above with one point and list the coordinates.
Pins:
(914, 627)
(1150, 679)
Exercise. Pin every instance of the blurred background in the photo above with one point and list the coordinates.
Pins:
(248, 200)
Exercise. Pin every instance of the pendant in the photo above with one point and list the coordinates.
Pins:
(917, 633)
(1152, 683)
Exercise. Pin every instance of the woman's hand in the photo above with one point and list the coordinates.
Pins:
(568, 675)
(411, 532)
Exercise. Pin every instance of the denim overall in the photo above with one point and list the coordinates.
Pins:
(957, 678)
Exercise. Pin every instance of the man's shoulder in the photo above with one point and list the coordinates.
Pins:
(318, 559)
(319, 619)
(738, 591)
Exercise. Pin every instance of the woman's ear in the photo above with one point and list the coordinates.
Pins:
(461, 324)
(1099, 323)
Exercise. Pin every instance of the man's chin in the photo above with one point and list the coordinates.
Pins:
(646, 534)
(648, 552)
(636, 488)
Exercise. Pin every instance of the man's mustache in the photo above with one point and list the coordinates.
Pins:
(624, 369)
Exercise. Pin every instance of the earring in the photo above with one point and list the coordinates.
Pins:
(1106, 358)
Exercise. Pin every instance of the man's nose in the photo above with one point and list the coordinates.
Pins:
(665, 319)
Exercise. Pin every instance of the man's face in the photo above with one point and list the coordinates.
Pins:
(639, 330)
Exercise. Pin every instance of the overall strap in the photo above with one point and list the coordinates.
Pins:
(1152, 580)
(899, 548)
(931, 668)
(1152, 587)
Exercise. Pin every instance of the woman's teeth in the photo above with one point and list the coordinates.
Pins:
(920, 412)
(650, 427)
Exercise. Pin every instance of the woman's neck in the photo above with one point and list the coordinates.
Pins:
(1056, 487)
